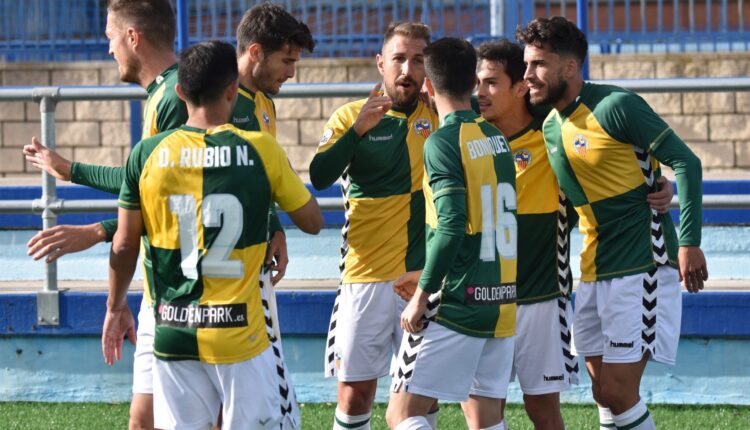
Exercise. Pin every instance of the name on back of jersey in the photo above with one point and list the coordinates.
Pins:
(220, 156)
(487, 146)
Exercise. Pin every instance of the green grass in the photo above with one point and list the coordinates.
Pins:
(59, 416)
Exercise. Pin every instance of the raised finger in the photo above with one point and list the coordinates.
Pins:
(376, 90)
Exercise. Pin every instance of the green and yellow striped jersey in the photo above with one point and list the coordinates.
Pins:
(254, 112)
(382, 185)
(469, 158)
(604, 149)
(543, 232)
(204, 198)
(164, 110)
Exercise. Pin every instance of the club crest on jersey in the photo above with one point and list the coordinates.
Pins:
(580, 144)
(266, 120)
(423, 127)
(522, 158)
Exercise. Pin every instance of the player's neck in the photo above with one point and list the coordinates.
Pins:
(154, 65)
(210, 116)
(446, 105)
(571, 93)
(245, 70)
(514, 121)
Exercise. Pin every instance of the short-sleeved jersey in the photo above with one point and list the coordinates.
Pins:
(383, 235)
(164, 110)
(469, 156)
(543, 252)
(599, 148)
(204, 198)
(254, 112)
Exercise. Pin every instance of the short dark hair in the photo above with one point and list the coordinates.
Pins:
(558, 34)
(205, 70)
(411, 30)
(451, 66)
(154, 18)
(507, 53)
(272, 27)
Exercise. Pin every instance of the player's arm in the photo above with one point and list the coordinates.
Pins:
(123, 257)
(647, 130)
(118, 319)
(288, 190)
(443, 167)
(277, 256)
(340, 140)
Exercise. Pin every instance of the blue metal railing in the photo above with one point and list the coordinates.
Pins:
(43, 30)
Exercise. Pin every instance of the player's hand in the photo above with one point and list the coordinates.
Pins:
(118, 321)
(660, 200)
(59, 240)
(277, 257)
(406, 284)
(45, 159)
(372, 111)
(412, 318)
(693, 270)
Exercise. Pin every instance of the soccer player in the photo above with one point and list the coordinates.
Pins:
(465, 351)
(375, 145)
(201, 194)
(270, 41)
(604, 145)
(543, 362)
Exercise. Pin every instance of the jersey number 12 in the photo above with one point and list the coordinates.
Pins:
(216, 262)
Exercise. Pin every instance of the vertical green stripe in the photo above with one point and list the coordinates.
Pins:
(415, 251)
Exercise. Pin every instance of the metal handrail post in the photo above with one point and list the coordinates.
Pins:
(48, 303)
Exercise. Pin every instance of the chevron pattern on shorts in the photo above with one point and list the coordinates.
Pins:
(330, 358)
(571, 361)
(410, 347)
(658, 243)
(347, 213)
(563, 262)
(648, 334)
(288, 397)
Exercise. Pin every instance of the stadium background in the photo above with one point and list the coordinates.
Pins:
(662, 39)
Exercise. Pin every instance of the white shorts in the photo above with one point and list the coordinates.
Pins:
(143, 359)
(543, 362)
(443, 364)
(624, 318)
(364, 333)
(193, 392)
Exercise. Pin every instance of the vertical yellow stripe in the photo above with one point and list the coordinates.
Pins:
(587, 224)
(506, 323)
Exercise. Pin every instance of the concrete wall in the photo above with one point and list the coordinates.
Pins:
(716, 126)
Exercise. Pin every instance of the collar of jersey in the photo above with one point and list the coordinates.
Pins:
(569, 109)
(248, 92)
(163, 75)
(401, 111)
(462, 116)
(209, 131)
(535, 124)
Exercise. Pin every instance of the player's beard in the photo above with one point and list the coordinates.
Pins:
(264, 79)
(131, 70)
(399, 96)
(554, 92)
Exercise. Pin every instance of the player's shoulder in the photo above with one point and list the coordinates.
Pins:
(605, 96)
(350, 109)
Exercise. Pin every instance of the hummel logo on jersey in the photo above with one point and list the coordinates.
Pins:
(620, 344)
(490, 294)
(240, 120)
(379, 138)
(553, 378)
(202, 316)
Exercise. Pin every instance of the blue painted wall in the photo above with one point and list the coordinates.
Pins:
(65, 363)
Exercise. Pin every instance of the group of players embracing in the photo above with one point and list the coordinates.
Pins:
(462, 175)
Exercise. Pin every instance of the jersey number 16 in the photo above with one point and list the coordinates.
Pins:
(504, 227)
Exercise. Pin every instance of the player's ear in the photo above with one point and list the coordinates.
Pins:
(429, 87)
(255, 50)
(379, 60)
(230, 93)
(520, 89)
(133, 37)
(180, 94)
